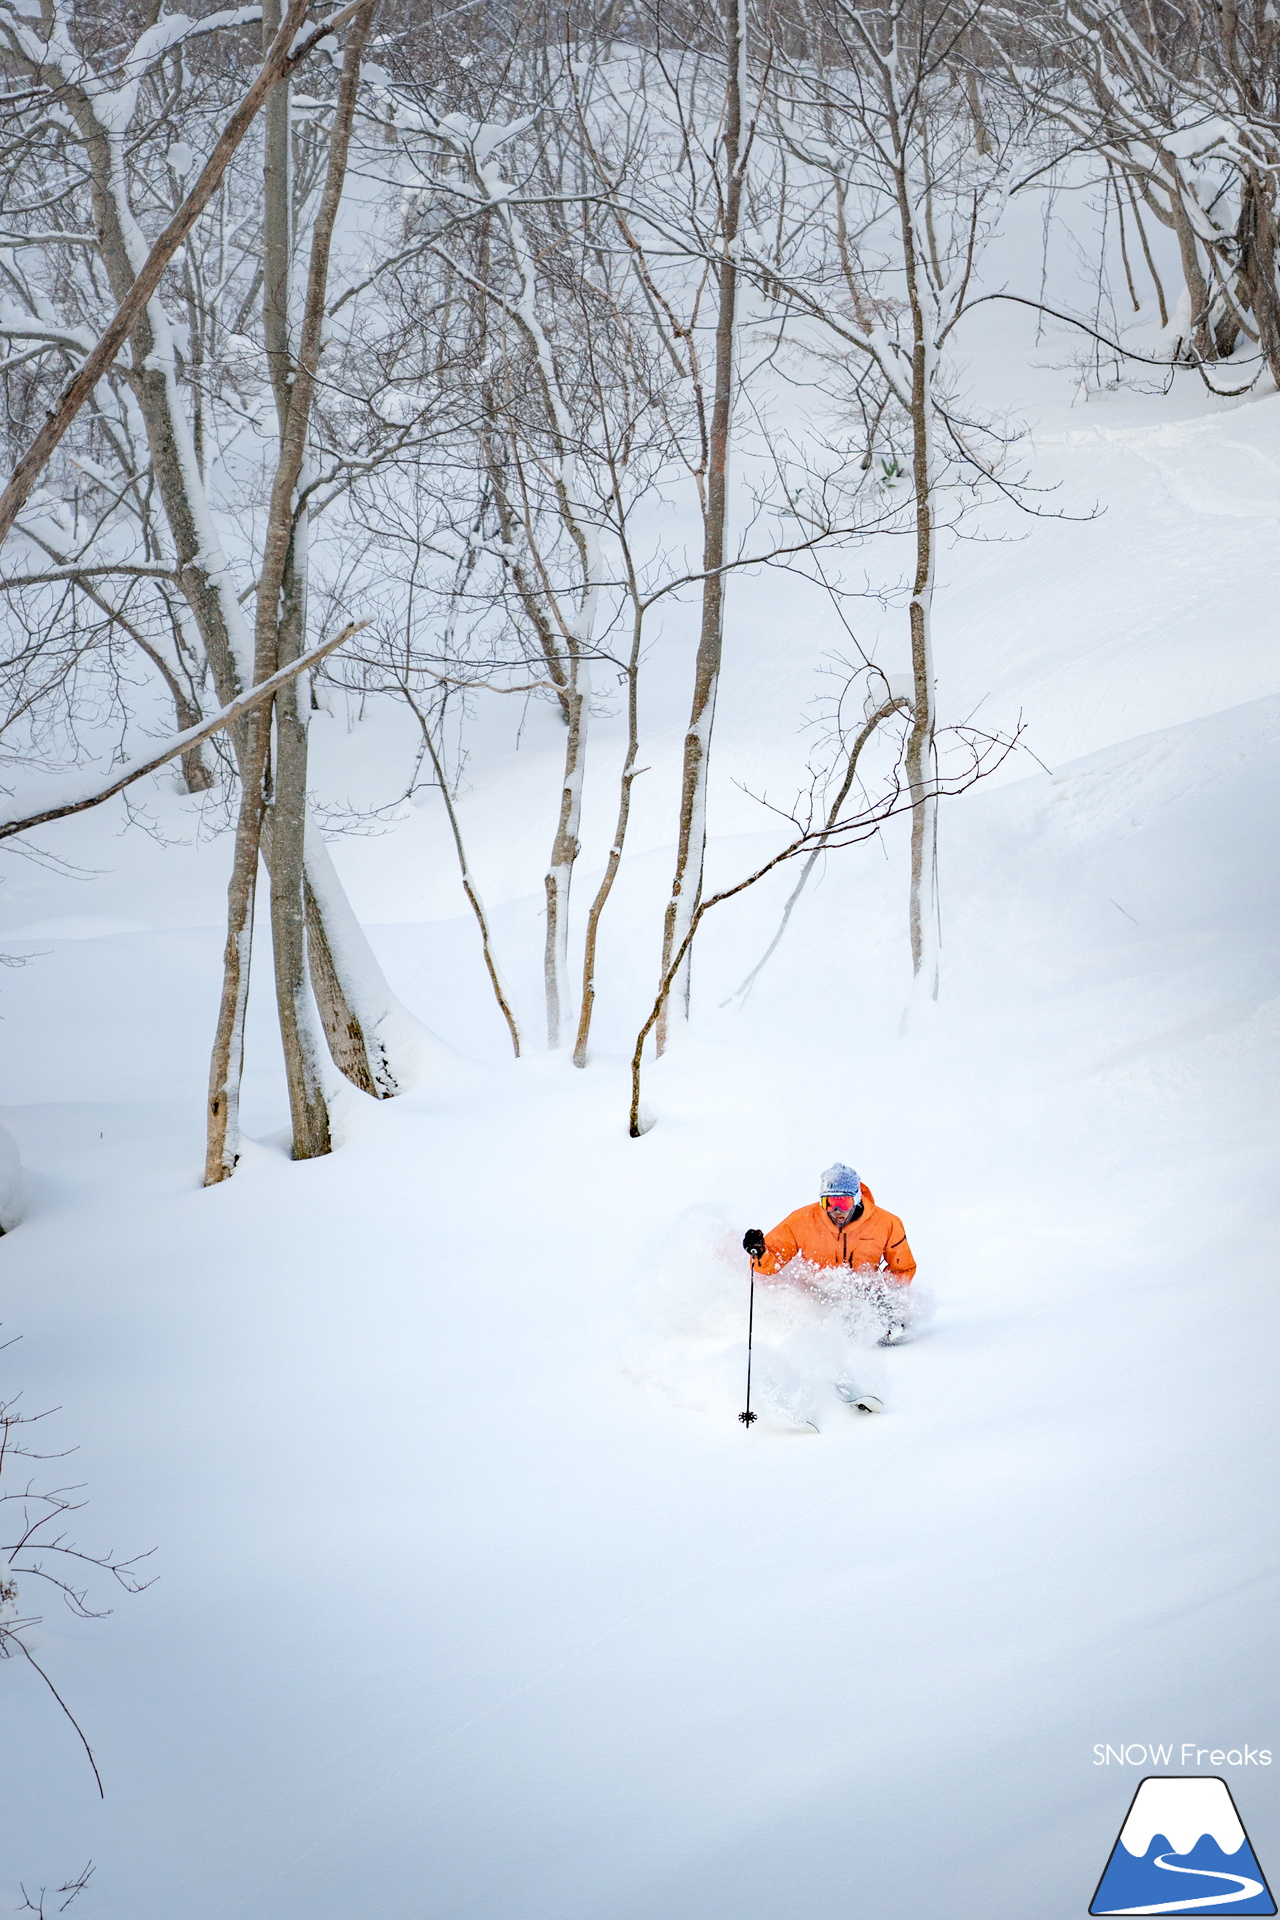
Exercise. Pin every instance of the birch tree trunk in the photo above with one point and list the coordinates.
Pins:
(619, 836)
(1197, 287)
(222, 1143)
(307, 1103)
(564, 851)
(923, 911)
(277, 230)
(281, 614)
(1256, 234)
(686, 885)
(298, 919)
(278, 628)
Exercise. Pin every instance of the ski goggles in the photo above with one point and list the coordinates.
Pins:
(839, 1202)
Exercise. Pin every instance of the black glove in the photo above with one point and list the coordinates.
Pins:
(753, 1242)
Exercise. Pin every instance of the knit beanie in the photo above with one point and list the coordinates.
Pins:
(840, 1179)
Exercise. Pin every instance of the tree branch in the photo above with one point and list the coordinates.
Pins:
(179, 743)
(278, 64)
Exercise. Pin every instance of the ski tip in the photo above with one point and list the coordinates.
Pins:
(861, 1402)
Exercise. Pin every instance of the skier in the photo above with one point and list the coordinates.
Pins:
(845, 1228)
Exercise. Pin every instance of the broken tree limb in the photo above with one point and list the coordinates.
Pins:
(179, 743)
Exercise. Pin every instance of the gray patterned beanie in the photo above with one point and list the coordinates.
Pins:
(840, 1179)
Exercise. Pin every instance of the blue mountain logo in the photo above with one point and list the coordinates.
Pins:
(1183, 1850)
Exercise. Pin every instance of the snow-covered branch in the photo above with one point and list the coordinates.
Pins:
(180, 743)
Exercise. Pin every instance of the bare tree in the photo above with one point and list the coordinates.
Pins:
(565, 425)
(1184, 106)
(693, 179)
(102, 117)
(279, 632)
(981, 755)
(36, 1547)
(559, 274)
(729, 159)
(903, 198)
(106, 789)
(63, 1895)
(101, 142)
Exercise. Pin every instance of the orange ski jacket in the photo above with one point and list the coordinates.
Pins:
(877, 1239)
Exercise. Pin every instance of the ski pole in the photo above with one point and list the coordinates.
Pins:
(746, 1416)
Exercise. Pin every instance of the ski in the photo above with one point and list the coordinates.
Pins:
(864, 1402)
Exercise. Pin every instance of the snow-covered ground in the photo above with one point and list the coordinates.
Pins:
(473, 1597)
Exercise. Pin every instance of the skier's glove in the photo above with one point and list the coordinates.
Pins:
(753, 1242)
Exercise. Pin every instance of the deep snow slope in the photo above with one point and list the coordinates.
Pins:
(474, 1597)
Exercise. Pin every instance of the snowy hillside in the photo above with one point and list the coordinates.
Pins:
(474, 1597)
(471, 1597)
